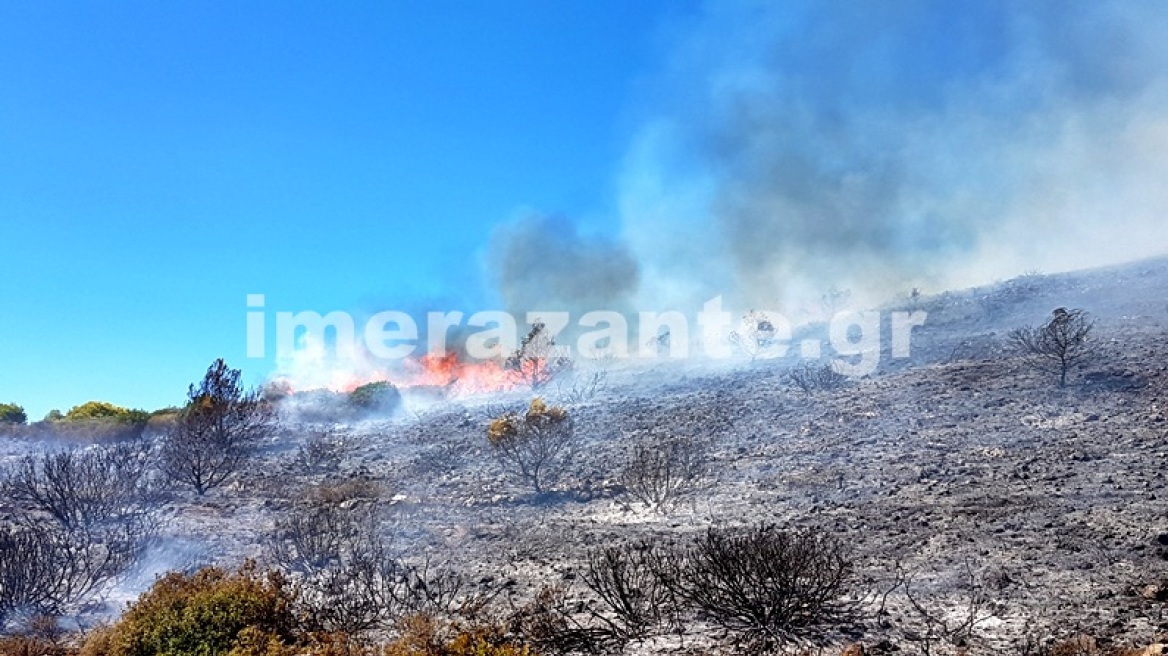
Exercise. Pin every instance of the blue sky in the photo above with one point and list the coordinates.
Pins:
(159, 161)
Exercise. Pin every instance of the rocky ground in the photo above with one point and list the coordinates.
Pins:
(962, 478)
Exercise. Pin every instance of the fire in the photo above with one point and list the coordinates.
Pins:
(457, 376)
(447, 372)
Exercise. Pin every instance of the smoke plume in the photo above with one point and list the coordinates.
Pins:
(543, 263)
(878, 146)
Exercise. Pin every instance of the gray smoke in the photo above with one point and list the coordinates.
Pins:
(883, 145)
(543, 263)
(877, 147)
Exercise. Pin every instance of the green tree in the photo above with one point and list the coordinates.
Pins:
(101, 410)
(10, 413)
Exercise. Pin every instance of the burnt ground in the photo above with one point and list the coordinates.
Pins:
(963, 470)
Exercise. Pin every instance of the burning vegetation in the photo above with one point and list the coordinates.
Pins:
(778, 508)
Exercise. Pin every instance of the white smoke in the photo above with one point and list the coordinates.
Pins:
(883, 146)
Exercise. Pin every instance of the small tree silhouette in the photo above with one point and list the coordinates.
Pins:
(662, 470)
(1058, 344)
(216, 430)
(756, 335)
(536, 361)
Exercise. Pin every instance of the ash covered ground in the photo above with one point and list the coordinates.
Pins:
(964, 482)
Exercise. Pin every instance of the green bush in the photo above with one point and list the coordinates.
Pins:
(101, 410)
(381, 396)
(95, 421)
(208, 613)
(10, 413)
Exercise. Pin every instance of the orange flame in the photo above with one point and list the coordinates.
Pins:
(444, 371)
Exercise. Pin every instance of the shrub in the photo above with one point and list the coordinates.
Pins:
(535, 447)
(216, 430)
(549, 624)
(1058, 344)
(43, 637)
(84, 488)
(29, 645)
(209, 612)
(350, 582)
(815, 376)
(423, 635)
(27, 571)
(662, 470)
(45, 569)
(322, 452)
(105, 411)
(94, 421)
(162, 421)
(341, 564)
(375, 398)
(536, 362)
(10, 413)
(766, 585)
(626, 581)
(755, 336)
(82, 517)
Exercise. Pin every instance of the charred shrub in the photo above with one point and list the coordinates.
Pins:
(756, 335)
(626, 580)
(82, 517)
(216, 430)
(28, 572)
(762, 585)
(321, 453)
(46, 570)
(766, 585)
(1059, 344)
(811, 377)
(334, 550)
(209, 612)
(549, 622)
(581, 386)
(349, 580)
(84, 488)
(662, 470)
(535, 447)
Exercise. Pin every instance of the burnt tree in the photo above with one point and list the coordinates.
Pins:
(537, 360)
(216, 430)
(1058, 344)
